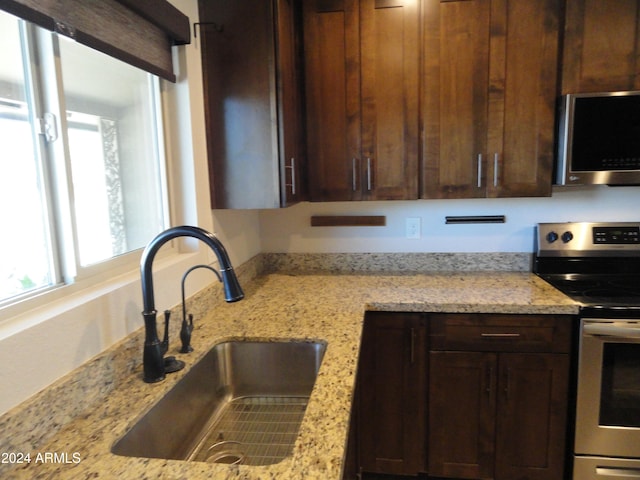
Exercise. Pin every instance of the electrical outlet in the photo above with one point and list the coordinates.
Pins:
(413, 227)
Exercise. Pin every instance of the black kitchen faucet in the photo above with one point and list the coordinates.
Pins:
(154, 350)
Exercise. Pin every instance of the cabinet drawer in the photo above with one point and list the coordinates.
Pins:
(500, 333)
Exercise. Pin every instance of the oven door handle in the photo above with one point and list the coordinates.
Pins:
(609, 472)
(609, 330)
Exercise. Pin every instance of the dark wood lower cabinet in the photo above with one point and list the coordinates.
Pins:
(461, 414)
(392, 382)
(532, 416)
(499, 416)
(462, 396)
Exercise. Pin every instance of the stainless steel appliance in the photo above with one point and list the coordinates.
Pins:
(598, 265)
(599, 139)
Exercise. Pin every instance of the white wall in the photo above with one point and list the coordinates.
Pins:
(289, 230)
(239, 231)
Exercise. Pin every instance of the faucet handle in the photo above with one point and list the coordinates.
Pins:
(170, 363)
(185, 334)
(165, 341)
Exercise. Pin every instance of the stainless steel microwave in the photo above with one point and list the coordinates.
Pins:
(599, 139)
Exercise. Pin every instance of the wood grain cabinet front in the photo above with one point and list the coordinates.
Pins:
(392, 396)
(361, 77)
(601, 46)
(251, 58)
(497, 409)
(489, 91)
(463, 396)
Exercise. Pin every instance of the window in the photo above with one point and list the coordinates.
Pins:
(81, 161)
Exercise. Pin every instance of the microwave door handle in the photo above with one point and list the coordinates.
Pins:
(618, 472)
(612, 331)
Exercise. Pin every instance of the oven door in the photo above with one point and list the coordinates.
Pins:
(608, 404)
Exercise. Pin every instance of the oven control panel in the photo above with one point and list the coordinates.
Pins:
(588, 239)
(616, 235)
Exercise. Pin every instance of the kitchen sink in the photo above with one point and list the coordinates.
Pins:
(242, 403)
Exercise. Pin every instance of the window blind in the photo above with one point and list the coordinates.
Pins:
(139, 32)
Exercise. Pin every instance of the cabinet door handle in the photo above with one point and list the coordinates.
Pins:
(496, 156)
(479, 170)
(369, 184)
(489, 381)
(293, 176)
(292, 167)
(500, 335)
(354, 174)
(507, 385)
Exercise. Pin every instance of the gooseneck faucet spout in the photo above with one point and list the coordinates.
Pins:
(153, 361)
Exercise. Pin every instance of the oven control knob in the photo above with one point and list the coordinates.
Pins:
(552, 237)
(567, 237)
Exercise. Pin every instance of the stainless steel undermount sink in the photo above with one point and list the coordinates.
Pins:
(243, 402)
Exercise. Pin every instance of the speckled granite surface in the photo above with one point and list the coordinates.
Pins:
(88, 410)
(414, 262)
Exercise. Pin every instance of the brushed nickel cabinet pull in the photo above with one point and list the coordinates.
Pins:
(500, 335)
(292, 167)
(353, 174)
(293, 176)
(495, 169)
(479, 170)
(368, 173)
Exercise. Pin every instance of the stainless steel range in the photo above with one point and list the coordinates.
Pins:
(598, 265)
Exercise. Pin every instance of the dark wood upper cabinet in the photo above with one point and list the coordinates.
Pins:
(253, 110)
(455, 98)
(361, 76)
(601, 46)
(333, 100)
(489, 90)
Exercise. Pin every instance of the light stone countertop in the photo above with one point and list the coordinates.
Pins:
(328, 307)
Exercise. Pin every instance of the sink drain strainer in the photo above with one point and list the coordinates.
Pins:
(253, 431)
(224, 452)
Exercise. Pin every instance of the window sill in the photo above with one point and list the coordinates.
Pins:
(117, 289)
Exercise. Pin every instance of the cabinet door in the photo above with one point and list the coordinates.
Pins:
(332, 77)
(290, 120)
(522, 96)
(531, 422)
(455, 98)
(390, 53)
(250, 81)
(489, 91)
(242, 139)
(601, 46)
(392, 386)
(462, 402)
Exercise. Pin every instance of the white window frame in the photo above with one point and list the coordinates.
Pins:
(70, 277)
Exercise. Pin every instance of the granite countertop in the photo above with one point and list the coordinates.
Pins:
(277, 306)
